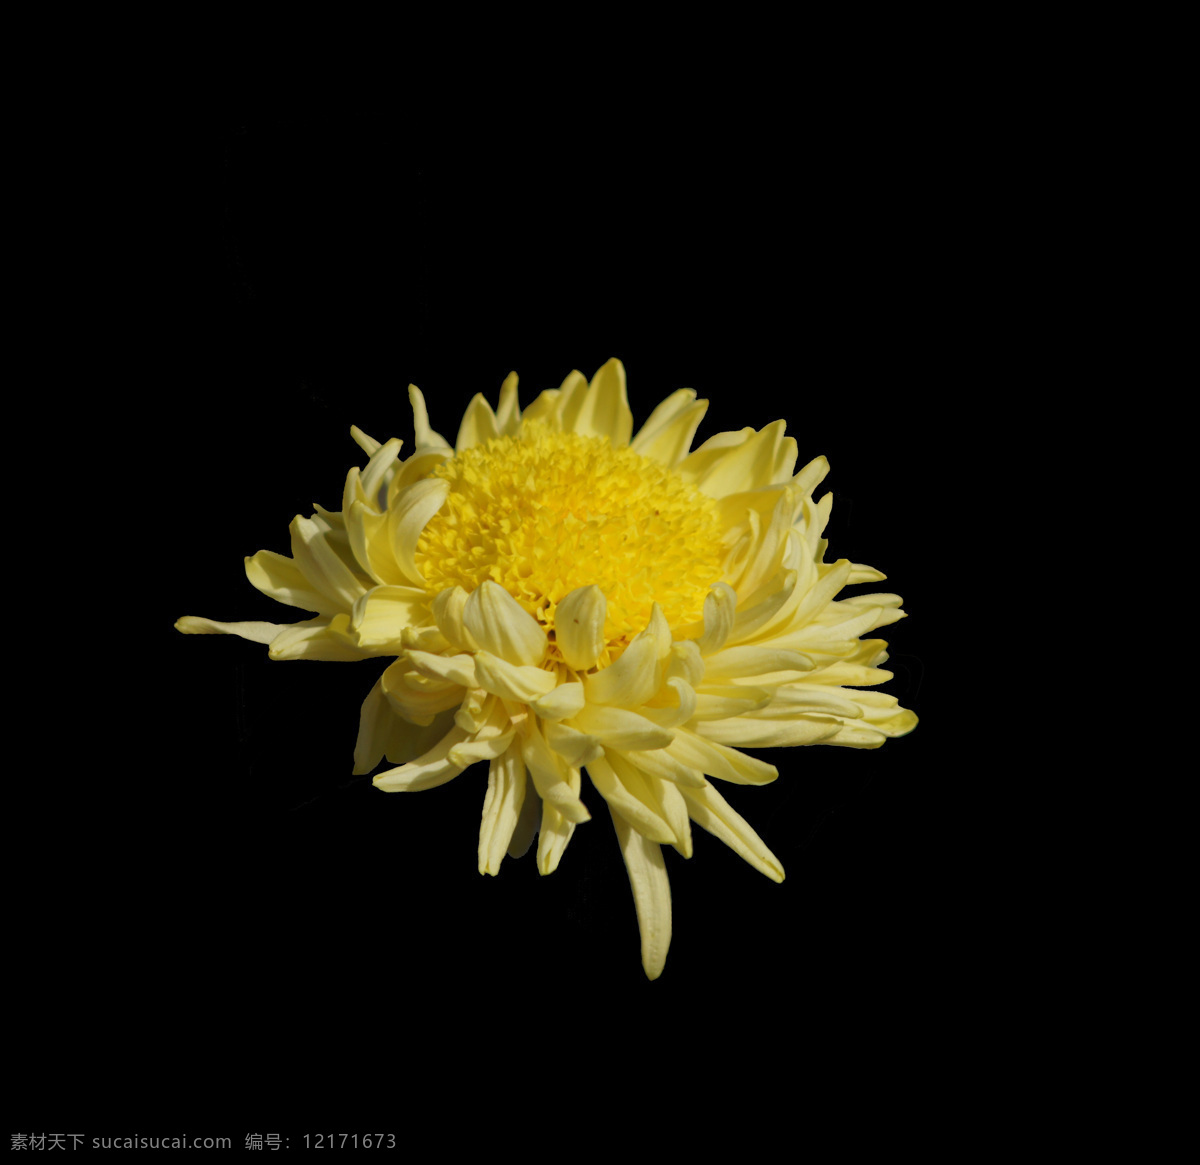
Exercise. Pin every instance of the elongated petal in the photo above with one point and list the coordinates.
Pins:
(429, 770)
(501, 809)
(621, 800)
(620, 728)
(710, 810)
(632, 680)
(718, 760)
(601, 410)
(448, 607)
(255, 632)
(667, 435)
(425, 436)
(561, 703)
(281, 579)
(508, 414)
(521, 684)
(651, 894)
(315, 639)
(379, 616)
(457, 669)
(550, 777)
(499, 624)
(408, 518)
(478, 424)
(579, 626)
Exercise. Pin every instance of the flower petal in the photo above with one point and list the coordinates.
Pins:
(621, 800)
(501, 809)
(550, 777)
(478, 424)
(720, 761)
(620, 728)
(710, 810)
(499, 624)
(255, 632)
(579, 626)
(425, 437)
(601, 410)
(667, 434)
(426, 772)
(523, 685)
(632, 680)
(651, 894)
(407, 520)
(280, 578)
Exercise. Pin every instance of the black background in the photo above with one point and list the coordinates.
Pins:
(215, 877)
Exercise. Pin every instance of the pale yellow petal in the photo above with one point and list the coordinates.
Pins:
(603, 409)
(457, 669)
(718, 760)
(651, 894)
(501, 809)
(621, 728)
(579, 627)
(561, 703)
(426, 772)
(281, 579)
(710, 810)
(478, 424)
(508, 414)
(667, 435)
(407, 520)
(425, 436)
(632, 680)
(315, 639)
(499, 624)
(321, 565)
(620, 800)
(521, 684)
(255, 632)
(550, 777)
(448, 607)
(380, 616)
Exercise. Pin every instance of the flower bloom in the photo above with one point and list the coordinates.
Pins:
(560, 595)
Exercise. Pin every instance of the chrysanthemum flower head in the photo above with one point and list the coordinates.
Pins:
(559, 596)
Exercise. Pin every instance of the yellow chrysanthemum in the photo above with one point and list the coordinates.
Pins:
(560, 597)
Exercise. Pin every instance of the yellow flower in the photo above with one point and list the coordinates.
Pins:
(560, 597)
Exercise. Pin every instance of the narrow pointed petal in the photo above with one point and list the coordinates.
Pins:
(550, 777)
(499, 624)
(408, 518)
(667, 435)
(632, 680)
(711, 811)
(522, 685)
(651, 894)
(620, 728)
(603, 409)
(508, 414)
(448, 607)
(457, 669)
(579, 627)
(527, 824)
(562, 703)
(281, 579)
(501, 809)
(374, 729)
(425, 436)
(426, 772)
(720, 761)
(255, 632)
(478, 424)
(380, 616)
(621, 800)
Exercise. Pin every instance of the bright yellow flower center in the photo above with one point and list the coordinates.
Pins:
(546, 512)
